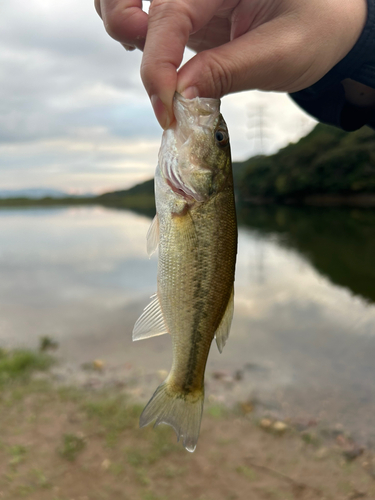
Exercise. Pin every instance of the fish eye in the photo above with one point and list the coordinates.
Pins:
(221, 138)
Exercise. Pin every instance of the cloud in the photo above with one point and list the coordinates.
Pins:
(83, 164)
(59, 71)
(73, 103)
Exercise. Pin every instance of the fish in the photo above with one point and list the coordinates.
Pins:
(195, 232)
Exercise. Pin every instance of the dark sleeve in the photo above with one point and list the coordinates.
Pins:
(325, 100)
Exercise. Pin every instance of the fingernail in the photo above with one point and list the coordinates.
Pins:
(128, 47)
(190, 93)
(160, 111)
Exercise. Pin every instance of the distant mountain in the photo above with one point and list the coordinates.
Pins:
(37, 193)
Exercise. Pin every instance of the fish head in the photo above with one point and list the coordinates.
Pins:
(195, 153)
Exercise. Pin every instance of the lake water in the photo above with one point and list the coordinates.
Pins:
(302, 342)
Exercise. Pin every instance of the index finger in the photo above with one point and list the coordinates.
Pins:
(124, 20)
(169, 26)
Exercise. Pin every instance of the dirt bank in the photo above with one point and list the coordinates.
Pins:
(60, 443)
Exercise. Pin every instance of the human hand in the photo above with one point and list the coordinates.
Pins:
(275, 45)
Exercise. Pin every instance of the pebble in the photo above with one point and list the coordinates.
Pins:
(265, 423)
(279, 427)
(98, 364)
(106, 464)
(322, 453)
(247, 407)
(220, 374)
(352, 453)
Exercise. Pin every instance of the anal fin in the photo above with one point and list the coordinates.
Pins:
(222, 333)
(151, 322)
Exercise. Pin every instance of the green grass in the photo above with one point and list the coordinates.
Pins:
(217, 411)
(21, 363)
(310, 438)
(171, 472)
(46, 343)
(142, 477)
(135, 457)
(114, 413)
(116, 468)
(249, 473)
(71, 446)
(40, 478)
(160, 442)
(17, 454)
(72, 394)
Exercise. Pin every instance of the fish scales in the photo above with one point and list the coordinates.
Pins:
(195, 283)
(196, 231)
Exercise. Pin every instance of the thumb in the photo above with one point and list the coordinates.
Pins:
(266, 58)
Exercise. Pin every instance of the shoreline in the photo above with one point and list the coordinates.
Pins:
(146, 204)
(265, 411)
(84, 442)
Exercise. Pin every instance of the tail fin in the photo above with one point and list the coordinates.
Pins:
(182, 411)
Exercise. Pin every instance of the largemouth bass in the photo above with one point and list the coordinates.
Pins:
(196, 231)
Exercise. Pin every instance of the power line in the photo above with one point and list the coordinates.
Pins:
(259, 131)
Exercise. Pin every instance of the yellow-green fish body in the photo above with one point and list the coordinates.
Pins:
(195, 229)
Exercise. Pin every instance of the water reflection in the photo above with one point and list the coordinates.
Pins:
(302, 340)
(340, 243)
(63, 270)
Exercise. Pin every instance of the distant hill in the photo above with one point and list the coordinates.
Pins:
(139, 197)
(145, 188)
(33, 193)
(327, 163)
(38, 193)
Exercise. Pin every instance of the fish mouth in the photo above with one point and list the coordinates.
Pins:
(198, 112)
(198, 106)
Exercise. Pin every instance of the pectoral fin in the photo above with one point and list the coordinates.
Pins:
(153, 236)
(186, 229)
(222, 332)
(151, 322)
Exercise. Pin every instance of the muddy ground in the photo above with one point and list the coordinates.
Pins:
(61, 442)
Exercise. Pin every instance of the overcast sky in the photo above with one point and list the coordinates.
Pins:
(73, 111)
